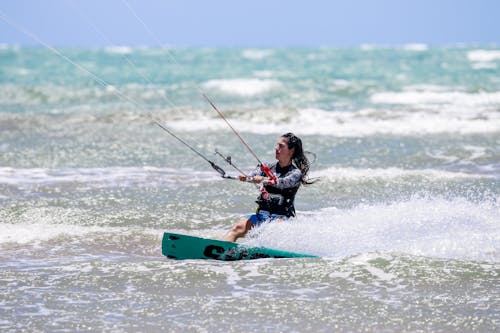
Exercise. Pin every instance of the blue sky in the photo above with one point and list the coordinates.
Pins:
(255, 23)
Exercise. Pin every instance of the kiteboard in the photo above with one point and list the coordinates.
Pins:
(180, 247)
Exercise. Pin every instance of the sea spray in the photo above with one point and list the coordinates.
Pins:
(433, 227)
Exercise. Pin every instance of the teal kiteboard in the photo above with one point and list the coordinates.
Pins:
(177, 246)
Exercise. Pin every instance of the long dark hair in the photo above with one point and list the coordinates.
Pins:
(299, 158)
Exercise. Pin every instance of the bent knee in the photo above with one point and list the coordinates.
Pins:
(241, 227)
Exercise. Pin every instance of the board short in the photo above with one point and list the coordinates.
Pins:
(263, 216)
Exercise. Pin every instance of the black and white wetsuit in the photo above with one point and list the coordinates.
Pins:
(282, 195)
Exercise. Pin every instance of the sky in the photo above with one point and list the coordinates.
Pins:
(252, 23)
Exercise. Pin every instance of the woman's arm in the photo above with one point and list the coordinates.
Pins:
(255, 175)
(292, 179)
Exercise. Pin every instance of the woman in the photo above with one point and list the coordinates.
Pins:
(276, 200)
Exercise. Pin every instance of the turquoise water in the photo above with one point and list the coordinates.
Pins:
(405, 215)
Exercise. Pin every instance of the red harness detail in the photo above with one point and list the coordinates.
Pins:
(272, 177)
(272, 180)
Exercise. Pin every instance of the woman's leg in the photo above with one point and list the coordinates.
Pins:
(238, 230)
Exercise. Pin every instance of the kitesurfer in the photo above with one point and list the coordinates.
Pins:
(276, 200)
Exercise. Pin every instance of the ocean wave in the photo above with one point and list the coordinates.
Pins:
(372, 121)
(263, 73)
(434, 97)
(126, 176)
(484, 65)
(418, 47)
(481, 119)
(27, 233)
(365, 122)
(483, 55)
(55, 226)
(82, 97)
(119, 49)
(256, 54)
(103, 177)
(243, 87)
(359, 174)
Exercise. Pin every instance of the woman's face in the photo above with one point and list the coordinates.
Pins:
(282, 152)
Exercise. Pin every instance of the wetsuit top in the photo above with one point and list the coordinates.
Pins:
(282, 194)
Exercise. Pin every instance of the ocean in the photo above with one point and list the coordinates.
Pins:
(405, 216)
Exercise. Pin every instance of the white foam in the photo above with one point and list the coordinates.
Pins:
(432, 227)
(483, 55)
(246, 87)
(365, 122)
(119, 49)
(45, 224)
(357, 174)
(26, 233)
(368, 47)
(100, 177)
(417, 47)
(433, 97)
(256, 54)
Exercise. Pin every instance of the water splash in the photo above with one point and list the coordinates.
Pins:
(433, 227)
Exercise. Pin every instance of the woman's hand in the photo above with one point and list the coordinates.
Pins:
(255, 179)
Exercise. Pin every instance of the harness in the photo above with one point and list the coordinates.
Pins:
(276, 200)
